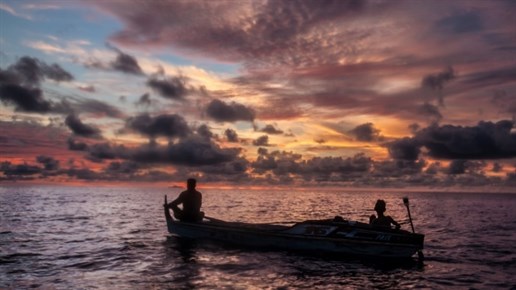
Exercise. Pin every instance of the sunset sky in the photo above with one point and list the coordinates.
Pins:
(259, 93)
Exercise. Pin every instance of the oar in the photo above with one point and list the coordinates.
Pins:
(406, 203)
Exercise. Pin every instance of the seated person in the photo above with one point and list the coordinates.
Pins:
(382, 220)
(191, 199)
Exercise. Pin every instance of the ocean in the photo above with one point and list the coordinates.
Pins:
(116, 238)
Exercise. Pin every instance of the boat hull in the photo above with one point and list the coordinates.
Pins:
(317, 237)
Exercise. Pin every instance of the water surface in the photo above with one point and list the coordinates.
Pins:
(87, 237)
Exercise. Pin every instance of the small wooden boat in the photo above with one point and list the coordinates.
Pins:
(317, 236)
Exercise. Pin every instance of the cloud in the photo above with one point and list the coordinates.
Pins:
(397, 168)
(282, 163)
(229, 31)
(459, 23)
(431, 111)
(404, 149)
(13, 12)
(76, 145)
(261, 141)
(494, 77)
(87, 88)
(231, 135)
(189, 151)
(222, 112)
(270, 129)
(24, 99)
(487, 140)
(80, 129)
(144, 100)
(366, 133)
(436, 82)
(98, 108)
(170, 126)
(20, 169)
(127, 64)
(32, 71)
(173, 88)
(464, 166)
(49, 163)
(205, 132)
(19, 84)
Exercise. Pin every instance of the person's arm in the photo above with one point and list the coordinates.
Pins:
(179, 200)
(395, 223)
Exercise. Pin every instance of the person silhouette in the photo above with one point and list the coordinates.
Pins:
(382, 220)
(191, 199)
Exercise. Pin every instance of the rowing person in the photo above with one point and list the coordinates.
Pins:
(382, 220)
(191, 199)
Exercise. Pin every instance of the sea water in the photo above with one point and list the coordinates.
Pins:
(116, 238)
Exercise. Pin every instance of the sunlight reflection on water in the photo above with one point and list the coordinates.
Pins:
(62, 237)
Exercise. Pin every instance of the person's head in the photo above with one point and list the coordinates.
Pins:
(379, 207)
(190, 183)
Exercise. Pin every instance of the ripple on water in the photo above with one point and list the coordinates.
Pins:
(115, 238)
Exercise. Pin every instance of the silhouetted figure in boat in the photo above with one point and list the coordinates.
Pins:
(191, 199)
(382, 220)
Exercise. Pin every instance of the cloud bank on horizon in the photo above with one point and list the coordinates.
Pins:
(355, 93)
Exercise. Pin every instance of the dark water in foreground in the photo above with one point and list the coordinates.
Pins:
(115, 238)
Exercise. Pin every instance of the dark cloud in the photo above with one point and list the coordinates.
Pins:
(20, 169)
(498, 76)
(270, 129)
(397, 168)
(173, 88)
(56, 73)
(80, 129)
(19, 84)
(261, 141)
(404, 149)
(457, 167)
(466, 166)
(98, 108)
(49, 163)
(170, 126)
(205, 132)
(144, 100)
(126, 64)
(460, 23)
(125, 167)
(101, 151)
(232, 112)
(24, 99)
(84, 174)
(76, 145)
(487, 140)
(190, 151)
(431, 111)
(497, 167)
(366, 133)
(231, 135)
(281, 163)
(32, 71)
(437, 81)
